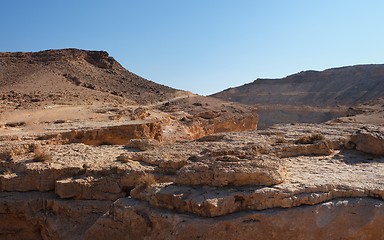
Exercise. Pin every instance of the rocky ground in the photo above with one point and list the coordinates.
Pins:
(81, 159)
(329, 178)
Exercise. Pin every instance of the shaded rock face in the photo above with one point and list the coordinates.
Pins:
(369, 140)
(37, 215)
(338, 219)
(268, 184)
(118, 135)
(270, 115)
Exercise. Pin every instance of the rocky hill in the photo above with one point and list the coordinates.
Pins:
(73, 75)
(84, 157)
(68, 89)
(310, 96)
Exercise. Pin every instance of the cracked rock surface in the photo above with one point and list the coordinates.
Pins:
(237, 183)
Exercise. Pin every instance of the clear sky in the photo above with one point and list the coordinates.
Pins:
(203, 46)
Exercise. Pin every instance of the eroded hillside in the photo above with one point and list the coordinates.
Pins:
(310, 96)
(70, 89)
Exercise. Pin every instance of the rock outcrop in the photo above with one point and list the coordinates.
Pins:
(306, 183)
(369, 140)
(118, 135)
(356, 218)
(105, 154)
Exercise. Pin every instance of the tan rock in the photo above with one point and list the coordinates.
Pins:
(369, 140)
(102, 188)
(121, 134)
(226, 176)
(294, 150)
(356, 218)
(140, 113)
(143, 144)
(231, 170)
(36, 215)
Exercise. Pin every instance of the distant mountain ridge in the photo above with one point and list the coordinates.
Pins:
(310, 96)
(337, 86)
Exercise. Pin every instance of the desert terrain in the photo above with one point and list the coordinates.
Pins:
(89, 150)
(311, 96)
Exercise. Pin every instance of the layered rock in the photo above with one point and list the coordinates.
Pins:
(310, 182)
(201, 116)
(369, 140)
(311, 96)
(37, 215)
(119, 135)
(358, 218)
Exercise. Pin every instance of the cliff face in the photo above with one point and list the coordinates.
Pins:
(296, 182)
(310, 96)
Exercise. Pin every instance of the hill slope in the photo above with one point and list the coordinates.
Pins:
(310, 96)
(343, 86)
(74, 75)
(63, 90)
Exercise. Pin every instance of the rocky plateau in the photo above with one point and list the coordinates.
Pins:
(89, 150)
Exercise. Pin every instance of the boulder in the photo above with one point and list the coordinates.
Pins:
(369, 140)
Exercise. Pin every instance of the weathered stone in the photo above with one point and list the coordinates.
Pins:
(121, 134)
(294, 150)
(369, 140)
(102, 188)
(356, 218)
(37, 215)
(225, 176)
(143, 144)
(231, 170)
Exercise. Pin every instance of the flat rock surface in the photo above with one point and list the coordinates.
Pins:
(212, 176)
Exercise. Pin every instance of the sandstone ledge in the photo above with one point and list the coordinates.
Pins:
(351, 218)
(223, 176)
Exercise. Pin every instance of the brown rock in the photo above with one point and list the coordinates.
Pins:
(369, 140)
(311, 96)
(121, 134)
(358, 218)
(140, 113)
(231, 170)
(36, 215)
(294, 150)
(102, 188)
(209, 114)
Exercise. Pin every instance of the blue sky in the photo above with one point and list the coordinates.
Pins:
(203, 46)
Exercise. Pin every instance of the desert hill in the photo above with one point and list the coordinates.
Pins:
(73, 75)
(64, 90)
(310, 96)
